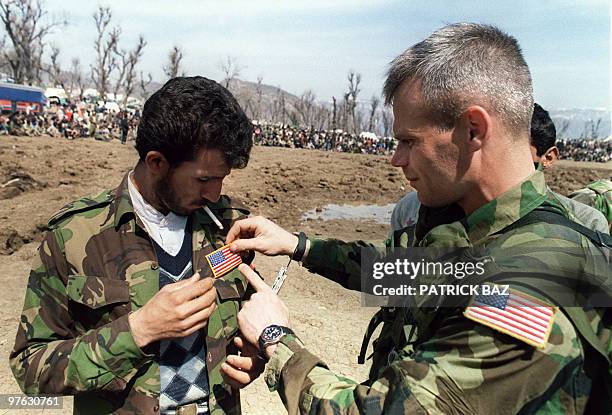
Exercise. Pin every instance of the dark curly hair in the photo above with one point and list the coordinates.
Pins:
(543, 132)
(190, 113)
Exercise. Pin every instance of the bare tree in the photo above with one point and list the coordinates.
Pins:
(127, 69)
(144, 84)
(106, 50)
(173, 69)
(278, 109)
(334, 114)
(387, 121)
(257, 110)
(563, 128)
(27, 27)
(374, 102)
(231, 70)
(57, 77)
(350, 98)
(77, 80)
(306, 107)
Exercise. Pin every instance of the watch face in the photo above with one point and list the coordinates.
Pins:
(272, 333)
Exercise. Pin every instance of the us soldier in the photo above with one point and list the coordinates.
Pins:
(462, 105)
(544, 154)
(120, 305)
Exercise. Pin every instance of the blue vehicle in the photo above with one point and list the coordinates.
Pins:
(15, 97)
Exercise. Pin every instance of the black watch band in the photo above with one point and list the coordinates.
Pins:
(300, 249)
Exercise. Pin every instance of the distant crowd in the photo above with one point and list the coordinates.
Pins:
(585, 150)
(87, 120)
(279, 135)
(72, 121)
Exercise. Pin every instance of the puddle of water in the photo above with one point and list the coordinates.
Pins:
(377, 213)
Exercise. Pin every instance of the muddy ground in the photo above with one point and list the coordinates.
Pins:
(38, 175)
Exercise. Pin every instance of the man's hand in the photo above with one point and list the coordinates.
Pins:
(177, 310)
(261, 235)
(262, 310)
(239, 371)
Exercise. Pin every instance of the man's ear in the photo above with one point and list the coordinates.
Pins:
(548, 158)
(157, 163)
(477, 123)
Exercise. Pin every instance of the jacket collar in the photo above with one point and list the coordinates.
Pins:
(492, 217)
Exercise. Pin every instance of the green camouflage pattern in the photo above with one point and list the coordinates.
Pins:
(597, 194)
(438, 361)
(95, 265)
(406, 210)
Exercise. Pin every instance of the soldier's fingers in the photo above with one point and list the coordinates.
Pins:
(240, 228)
(241, 362)
(231, 373)
(239, 342)
(254, 279)
(251, 244)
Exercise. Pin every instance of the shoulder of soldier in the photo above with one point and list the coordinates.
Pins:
(80, 206)
(601, 186)
(515, 311)
(583, 213)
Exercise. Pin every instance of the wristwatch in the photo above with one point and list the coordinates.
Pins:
(272, 335)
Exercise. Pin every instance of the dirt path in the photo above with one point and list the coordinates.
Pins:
(43, 174)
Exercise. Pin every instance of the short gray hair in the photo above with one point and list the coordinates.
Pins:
(466, 64)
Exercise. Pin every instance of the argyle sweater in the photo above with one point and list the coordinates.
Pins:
(182, 363)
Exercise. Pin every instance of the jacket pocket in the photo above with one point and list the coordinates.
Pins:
(95, 301)
(230, 291)
(96, 292)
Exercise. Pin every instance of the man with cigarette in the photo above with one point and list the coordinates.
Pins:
(121, 309)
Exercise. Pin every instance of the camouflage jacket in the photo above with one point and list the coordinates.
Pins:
(460, 366)
(598, 195)
(95, 265)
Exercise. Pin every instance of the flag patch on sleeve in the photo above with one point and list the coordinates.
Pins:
(223, 261)
(516, 314)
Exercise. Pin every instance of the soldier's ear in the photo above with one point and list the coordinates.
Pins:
(477, 122)
(156, 163)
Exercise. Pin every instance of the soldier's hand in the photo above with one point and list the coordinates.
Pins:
(261, 235)
(239, 371)
(177, 310)
(262, 310)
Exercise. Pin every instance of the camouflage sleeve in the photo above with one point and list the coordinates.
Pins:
(466, 368)
(338, 261)
(51, 355)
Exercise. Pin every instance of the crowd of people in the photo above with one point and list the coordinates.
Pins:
(280, 135)
(585, 150)
(87, 120)
(72, 121)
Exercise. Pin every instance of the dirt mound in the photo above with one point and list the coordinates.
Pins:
(17, 181)
(12, 240)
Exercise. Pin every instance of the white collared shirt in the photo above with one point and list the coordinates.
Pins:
(168, 231)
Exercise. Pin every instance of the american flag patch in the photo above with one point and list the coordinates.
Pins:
(517, 314)
(223, 261)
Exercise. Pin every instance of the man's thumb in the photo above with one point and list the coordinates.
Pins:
(242, 245)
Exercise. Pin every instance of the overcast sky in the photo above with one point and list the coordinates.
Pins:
(312, 44)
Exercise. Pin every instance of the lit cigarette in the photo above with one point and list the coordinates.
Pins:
(213, 217)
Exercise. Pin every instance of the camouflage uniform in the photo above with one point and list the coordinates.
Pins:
(406, 213)
(598, 195)
(96, 265)
(449, 364)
